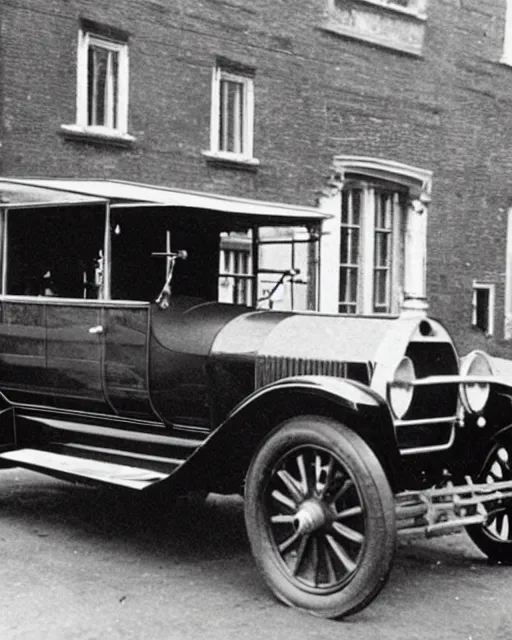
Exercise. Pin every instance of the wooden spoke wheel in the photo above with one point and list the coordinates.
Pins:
(494, 536)
(320, 517)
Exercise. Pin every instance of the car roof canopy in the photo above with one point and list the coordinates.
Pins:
(122, 194)
(15, 194)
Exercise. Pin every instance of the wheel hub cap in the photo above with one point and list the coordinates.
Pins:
(310, 517)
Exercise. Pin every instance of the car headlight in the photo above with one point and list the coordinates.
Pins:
(401, 389)
(474, 395)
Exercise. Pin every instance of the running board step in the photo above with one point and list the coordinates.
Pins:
(73, 467)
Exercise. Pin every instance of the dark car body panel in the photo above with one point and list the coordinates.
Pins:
(132, 383)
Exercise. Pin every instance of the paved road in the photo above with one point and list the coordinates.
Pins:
(80, 565)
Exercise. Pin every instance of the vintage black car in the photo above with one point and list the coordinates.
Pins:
(119, 366)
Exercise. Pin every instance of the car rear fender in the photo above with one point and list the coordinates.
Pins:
(225, 455)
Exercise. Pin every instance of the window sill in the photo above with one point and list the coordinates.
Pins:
(395, 8)
(231, 160)
(96, 135)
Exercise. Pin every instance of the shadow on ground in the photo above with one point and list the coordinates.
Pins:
(192, 528)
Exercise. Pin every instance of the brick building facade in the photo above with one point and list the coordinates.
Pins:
(355, 103)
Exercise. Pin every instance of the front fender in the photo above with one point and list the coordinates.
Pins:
(222, 460)
(349, 393)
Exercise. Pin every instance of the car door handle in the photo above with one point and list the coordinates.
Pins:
(97, 329)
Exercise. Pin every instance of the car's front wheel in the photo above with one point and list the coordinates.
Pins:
(494, 536)
(320, 517)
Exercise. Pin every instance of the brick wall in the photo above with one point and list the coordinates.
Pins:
(316, 95)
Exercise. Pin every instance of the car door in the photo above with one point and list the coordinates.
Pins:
(23, 375)
(125, 369)
(75, 354)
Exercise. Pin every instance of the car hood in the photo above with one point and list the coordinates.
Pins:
(282, 344)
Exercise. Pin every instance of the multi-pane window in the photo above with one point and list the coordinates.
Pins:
(350, 249)
(371, 247)
(386, 208)
(235, 268)
(232, 114)
(102, 87)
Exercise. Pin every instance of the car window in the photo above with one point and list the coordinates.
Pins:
(140, 241)
(55, 252)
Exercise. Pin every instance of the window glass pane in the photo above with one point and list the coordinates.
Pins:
(354, 245)
(482, 310)
(348, 289)
(231, 116)
(344, 258)
(381, 291)
(349, 250)
(382, 247)
(115, 88)
(102, 86)
(56, 252)
(344, 206)
(385, 205)
(356, 206)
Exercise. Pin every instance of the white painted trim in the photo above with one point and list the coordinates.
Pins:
(4, 222)
(413, 177)
(415, 257)
(417, 8)
(366, 284)
(85, 40)
(328, 280)
(231, 157)
(214, 111)
(506, 57)
(246, 156)
(81, 79)
(397, 248)
(507, 329)
(97, 132)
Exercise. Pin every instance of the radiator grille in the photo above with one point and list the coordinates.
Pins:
(272, 368)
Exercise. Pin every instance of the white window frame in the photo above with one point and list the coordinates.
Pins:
(480, 286)
(87, 39)
(247, 142)
(506, 58)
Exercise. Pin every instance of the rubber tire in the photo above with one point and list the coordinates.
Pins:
(378, 502)
(495, 550)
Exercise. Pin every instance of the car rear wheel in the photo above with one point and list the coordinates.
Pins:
(494, 537)
(320, 517)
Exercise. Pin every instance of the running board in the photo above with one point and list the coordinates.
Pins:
(72, 467)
